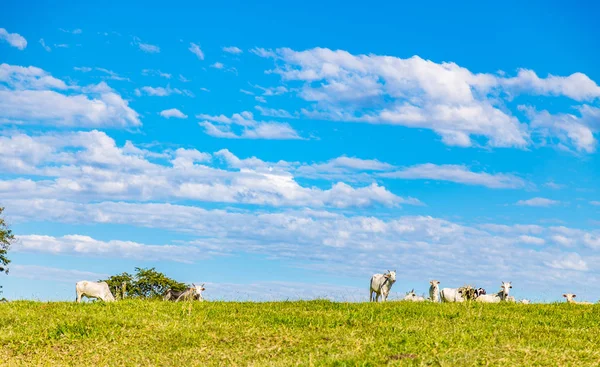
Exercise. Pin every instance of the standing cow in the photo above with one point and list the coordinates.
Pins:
(381, 285)
(93, 290)
(193, 292)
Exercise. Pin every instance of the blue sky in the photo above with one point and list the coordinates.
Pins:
(292, 150)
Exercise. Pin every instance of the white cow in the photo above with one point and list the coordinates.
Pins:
(412, 296)
(452, 295)
(570, 296)
(525, 301)
(93, 290)
(381, 285)
(502, 295)
(434, 291)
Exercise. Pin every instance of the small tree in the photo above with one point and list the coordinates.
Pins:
(146, 283)
(6, 239)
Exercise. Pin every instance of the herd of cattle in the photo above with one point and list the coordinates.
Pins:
(381, 284)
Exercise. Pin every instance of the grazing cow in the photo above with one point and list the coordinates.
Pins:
(452, 294)
(496, 297)
(381, 285)
(193, 292)
(412, 296)
(434, 291)
(93, 290)
(570, 296)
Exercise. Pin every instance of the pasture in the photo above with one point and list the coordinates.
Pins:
(306, 333)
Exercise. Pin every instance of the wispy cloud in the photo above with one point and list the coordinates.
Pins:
(542, 202)
(232, 50)
(196, 50)
(44, 46)
(146, 47)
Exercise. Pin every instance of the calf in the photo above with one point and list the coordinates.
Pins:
(434, 291)
(412, 296)
(93, 290)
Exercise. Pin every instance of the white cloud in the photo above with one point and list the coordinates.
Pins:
(221, 126)
(87, 246)
(577, 86)
(555, 186)
(260, 99)
(333, 242)
(217, 65)
(173, 112)
(531, 240)
(273, 112)
(33, 96)
(156, 73)
(146, 47)
(542, 202)
(162, 91)
(595, 203)
(232, 50)
(44, 46)
(37, 272)
(74, 31)
(109, 73)
(458, 174)
(88, 166)
(183, 79)
(571, 261)
(195, 49)
(13, 39)
(246, 92)
(450, 100)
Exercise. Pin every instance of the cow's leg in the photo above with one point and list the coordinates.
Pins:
(79, 294)
(371, 295)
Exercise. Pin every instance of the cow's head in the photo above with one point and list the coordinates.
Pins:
(480, 291)
(434, 283)
(391, 275)
(505, 289)
(198, 289)
(569, 296)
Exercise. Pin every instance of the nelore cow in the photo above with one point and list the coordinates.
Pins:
(89, 289)
(192, 293)
(381, 285)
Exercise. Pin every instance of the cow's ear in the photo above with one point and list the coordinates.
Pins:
(574, 295)
(564, 295)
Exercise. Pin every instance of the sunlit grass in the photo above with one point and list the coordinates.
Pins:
(297, 333)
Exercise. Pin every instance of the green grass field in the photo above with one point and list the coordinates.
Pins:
(298, 333)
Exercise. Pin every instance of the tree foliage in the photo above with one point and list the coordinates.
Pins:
(6, 239)
(145, 283)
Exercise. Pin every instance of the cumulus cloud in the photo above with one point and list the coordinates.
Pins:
(88, 166)
(542, 202)
(462, 107)
(173, 112)
(195, 49)
(217, 65)
(244, 126)
(13, 39)
(232, 50)
(32, 96)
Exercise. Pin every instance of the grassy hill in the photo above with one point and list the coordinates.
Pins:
(297, 333)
